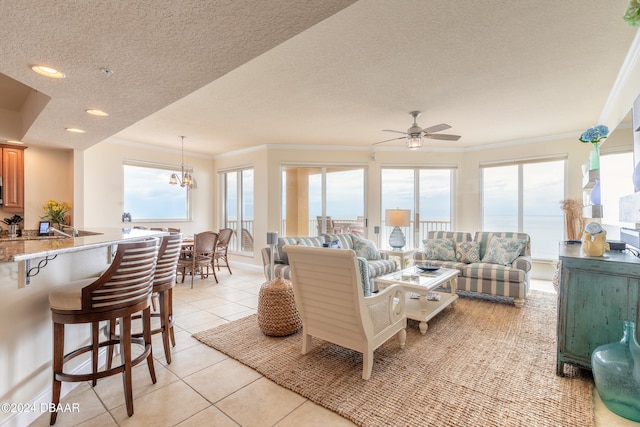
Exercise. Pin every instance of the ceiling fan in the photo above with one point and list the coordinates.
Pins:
(415, 133)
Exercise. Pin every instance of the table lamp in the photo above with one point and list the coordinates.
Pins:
(397, 218)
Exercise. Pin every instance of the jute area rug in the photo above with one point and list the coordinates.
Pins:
(481, 363)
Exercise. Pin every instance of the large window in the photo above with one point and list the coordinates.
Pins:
(148, 196)
(616, 170)
(321, 199)
(426, 192)
(237, 207)
(525, 197)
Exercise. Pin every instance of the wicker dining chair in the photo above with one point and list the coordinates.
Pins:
(200, 257)
(224, 237)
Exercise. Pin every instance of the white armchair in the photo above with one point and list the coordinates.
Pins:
(329, 292)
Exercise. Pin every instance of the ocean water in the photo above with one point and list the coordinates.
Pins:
(545, 232)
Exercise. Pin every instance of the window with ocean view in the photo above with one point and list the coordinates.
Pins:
(525, 197)
(148, 196)
(616, 170)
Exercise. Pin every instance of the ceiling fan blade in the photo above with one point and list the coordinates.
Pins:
(436, 128)
(443, 136)
(387, 140)
(396, 131)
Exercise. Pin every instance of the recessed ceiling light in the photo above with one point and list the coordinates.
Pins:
(48, 71)
(12, 141)
(97, 113)
(75, 130)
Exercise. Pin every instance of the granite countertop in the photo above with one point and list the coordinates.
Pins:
(30, 247)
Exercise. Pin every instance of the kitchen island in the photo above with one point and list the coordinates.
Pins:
(25, 319)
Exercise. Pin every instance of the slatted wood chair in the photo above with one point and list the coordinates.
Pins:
(329, 290)
(164, 280)
(200, 257)
(121, 291)
(224, 237)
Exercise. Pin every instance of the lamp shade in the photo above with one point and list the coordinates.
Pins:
(272, 238)
(398, 217)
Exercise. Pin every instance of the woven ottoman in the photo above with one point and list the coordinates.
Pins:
(277, 312)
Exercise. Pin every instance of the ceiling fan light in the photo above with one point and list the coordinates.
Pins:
(414, 142)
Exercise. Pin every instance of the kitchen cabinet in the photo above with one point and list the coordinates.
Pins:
(596, 295)
(12, 178)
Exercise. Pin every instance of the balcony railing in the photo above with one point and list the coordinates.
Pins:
(242, 239)
(352, 225)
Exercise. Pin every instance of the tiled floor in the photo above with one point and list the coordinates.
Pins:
(203, 386)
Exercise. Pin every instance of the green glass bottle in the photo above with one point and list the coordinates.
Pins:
(616, 372)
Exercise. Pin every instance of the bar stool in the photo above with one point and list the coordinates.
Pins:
(164, 279)
(122, 290)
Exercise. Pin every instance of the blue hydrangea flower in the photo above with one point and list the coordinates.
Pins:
(595, 134)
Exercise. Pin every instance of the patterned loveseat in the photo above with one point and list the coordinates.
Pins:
(494, 263)
(378, 263)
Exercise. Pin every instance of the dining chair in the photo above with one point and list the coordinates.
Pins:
(224, 237)
(247, 240)
(200, 257)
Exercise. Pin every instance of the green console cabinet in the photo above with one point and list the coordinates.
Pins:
(596, 295)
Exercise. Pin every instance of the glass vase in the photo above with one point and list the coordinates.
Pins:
(616, 372)
(594, 157)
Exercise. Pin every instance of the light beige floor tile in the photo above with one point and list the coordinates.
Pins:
(195, 318)
(240, 315)
(229, 294)
(193, 359)
(88, 406)
(606, 418)
(111, 391)
(311, 415)
(207, 325)
(183, 340)
(230, 376)
(211, 416)
(166, 406)
(251, 302)
(207, 303)
(261, 403)
(182, 308)
(104, 420)
(227, 310)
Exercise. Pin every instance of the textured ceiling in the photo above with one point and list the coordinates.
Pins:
(236, 74)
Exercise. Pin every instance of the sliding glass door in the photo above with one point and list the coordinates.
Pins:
(237, 208)
(427, 193)
(321, 199)
(525, 197)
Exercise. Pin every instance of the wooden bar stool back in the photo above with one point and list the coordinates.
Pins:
(164, 279)
(121, 291)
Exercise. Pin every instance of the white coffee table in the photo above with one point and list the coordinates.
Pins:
(418, 286)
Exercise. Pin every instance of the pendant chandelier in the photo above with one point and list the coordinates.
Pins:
(186, 180)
